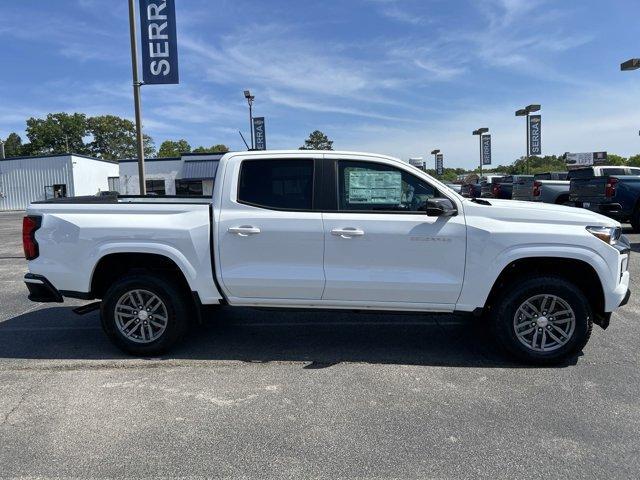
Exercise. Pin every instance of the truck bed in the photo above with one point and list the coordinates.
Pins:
(76, 235)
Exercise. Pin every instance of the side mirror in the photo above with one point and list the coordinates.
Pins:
(441, 207)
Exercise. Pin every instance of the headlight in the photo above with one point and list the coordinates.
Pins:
(609, 235)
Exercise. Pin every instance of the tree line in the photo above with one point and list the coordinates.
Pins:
(103, 136)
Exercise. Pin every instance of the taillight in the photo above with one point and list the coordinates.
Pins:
(610, 188)
(29, 226)
(536, 189)
(496, 189)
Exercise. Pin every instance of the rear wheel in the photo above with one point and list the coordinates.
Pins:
(144, 314)
(543, 320)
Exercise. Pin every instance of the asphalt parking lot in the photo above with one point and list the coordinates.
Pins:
(265, 394)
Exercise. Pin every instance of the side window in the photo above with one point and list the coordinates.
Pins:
(277, 184)
(613, 171)
(634, 171)
(155, 187)
(189, 187)
(369, 186)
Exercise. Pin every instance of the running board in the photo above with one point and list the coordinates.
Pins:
(88, 308)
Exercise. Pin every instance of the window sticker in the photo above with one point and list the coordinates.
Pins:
(373, 187)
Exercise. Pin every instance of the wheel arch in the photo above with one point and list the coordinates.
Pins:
(578, 271)
(115, 264)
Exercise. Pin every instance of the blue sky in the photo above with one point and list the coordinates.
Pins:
(400, 77)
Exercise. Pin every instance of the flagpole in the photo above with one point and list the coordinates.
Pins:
(136, 96)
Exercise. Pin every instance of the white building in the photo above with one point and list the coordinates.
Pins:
(189, 174)
(28, 179)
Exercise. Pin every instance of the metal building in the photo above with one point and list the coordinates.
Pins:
(189, 174)
(28, 179)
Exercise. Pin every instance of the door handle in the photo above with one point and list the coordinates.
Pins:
(348, 232)
(244, 230)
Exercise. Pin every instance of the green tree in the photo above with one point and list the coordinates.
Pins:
(115, 138)
(317, 141)
(58, 133)
(213, 149)
(634, 161)
(171, 148)
(613, 159)
(13, 145)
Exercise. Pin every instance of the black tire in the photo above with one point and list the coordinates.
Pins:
(506, 306)
(176, 303)
(635, 220)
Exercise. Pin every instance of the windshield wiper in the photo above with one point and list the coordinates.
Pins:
(480, 201)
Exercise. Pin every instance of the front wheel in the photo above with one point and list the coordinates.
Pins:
(543, 320)
(143, 314)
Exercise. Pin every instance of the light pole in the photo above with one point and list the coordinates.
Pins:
(435, 159)
(1, 148)
(480, 132)
(250, 98)
(525, 112)
(631, 64)
(136, 97)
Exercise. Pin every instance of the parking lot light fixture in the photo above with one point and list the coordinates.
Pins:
(480, 132)
(524, 112)
(435, 159)
(631, 64)
(250, 98)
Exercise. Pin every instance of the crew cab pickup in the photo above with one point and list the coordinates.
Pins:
(617, 196)
(330, 230)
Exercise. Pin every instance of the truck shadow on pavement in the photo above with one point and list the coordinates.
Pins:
(319, 339)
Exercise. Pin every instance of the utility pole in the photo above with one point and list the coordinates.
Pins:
(1, 149)
(136, 96)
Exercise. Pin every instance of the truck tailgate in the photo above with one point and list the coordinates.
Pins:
(523, 189)
(589, 190)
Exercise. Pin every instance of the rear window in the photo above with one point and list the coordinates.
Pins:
(542, 176)
(581, 173)
(277, 184)
(613, 171)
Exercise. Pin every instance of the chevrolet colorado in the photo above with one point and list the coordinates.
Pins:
(331, 230)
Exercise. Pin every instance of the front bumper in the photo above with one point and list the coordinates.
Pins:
(625, 300)
(41, 289)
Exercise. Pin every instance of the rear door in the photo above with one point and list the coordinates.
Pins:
(270, 236)
(380, 245)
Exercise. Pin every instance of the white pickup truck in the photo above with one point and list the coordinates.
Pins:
(331, 230)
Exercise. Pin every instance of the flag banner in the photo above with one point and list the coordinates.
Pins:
(535, 135)
(439, 164)
(159, 42)
(259, 133)
(486, 149)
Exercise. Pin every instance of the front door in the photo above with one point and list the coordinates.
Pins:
(269, 236)
(380, 245)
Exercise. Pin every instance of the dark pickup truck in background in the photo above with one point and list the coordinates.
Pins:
(513, 187)
(616, 195)
(488, 188)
